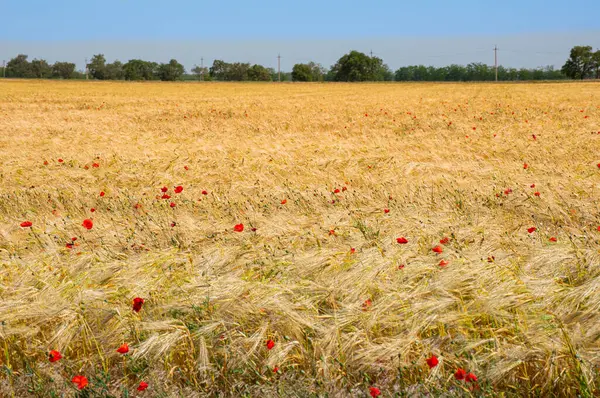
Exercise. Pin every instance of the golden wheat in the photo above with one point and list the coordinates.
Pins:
(518, 310)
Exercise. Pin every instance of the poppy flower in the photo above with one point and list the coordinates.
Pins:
(507, 191)
(137, 304)
(54, 356)
(92, 209)
(336, 191)
(460, 374)
(45, 163)
(537, 194)
(87, 223)
(275, 369)
(238, 227)
(437, 249)
(270, 344)
(402, 240)
(143, 385)
(331, 232)
(95, 165)
(367, 304)
(69, 245)
(374, 391)
(284, 201)
(102, 194)
(344, 189)
(178, 189)
(401, 266)
(598, 165)
(531, 230)
(186, 167)
(471, 378)
(253, 229)
(165, 196)
(532, 186)
(553, 239)
(525, 166)
(173, 224)
(123, 349)
(164, 189)
(534, 137)
(443, 263)
(386, 211)
(432, 361)
(445, 240)
(26, 224)
(81, 381)
(352, 250)
(204, 192)
(491, 259)
(599, 228)
(60, 160)
(173, 204)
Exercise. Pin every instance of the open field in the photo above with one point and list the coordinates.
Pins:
(322, 275)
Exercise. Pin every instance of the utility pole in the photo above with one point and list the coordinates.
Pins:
(496, 60)
(86, 70)
(279, 68)
(202, 68)
(371, 53)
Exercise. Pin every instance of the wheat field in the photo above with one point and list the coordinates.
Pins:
(333, 287)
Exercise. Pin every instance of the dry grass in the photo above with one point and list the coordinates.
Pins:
(525, 321)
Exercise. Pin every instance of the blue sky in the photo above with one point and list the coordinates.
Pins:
(428, 28)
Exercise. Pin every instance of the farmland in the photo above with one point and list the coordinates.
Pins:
(297, 257)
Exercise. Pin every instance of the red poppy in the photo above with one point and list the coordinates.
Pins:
(525, 166)
(45, 163)
(60, 160)
(460, 374)
(81, 381)
(401, 266)
(164, 189)
(54, 356)
(270, 344)
(137, 304)
(204, 192)
(95, 165)
(186, 167)
(352, 250)
(344, 189)
(123, 349)
(284, 201)
(173, 224)
(553, 239)
(443, 263)
(331, 232)
(69, 245)
(102, 194)
(432, 361)
(238, 227)
(536, 194)
(437, 249)
(336, 191)
(367, 304)
(599, 228)
(598, 165)
(253, 229)
(165, 196)
(143, 385)
(386, 211)
(275, 369)
(92, 210)
(532, 186)
(87, 223)
(26, 224)
(471, 378)
(531, 230)
(374, 391)
(507, 191)
(491, 259)
(402, 240)
(173, 204)
(178, 189)
(534, 137)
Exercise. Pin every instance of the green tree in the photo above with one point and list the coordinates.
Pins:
(41, 69)
(200, 72)
(310, 72)
(19, 67)
(114, 71)
(137, 69)
(596, 67)
(63, 70)
(580, 63)
(219, 69)
(171, 72)
(259, 73)
(97, 67)
(358, 67)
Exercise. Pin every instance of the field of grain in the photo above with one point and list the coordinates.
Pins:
(333, 287)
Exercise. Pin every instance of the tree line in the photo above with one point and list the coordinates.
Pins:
(355, 66)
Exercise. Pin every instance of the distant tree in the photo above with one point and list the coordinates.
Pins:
(259, 73)
(114, 71)
(41, 69)
(19, 67)
(238, 71)
(358, 67)
(219, 69)
(200, 72)
(63, 70)
(97, 67)
(137, 69)
(580, 63)
(171, 72)
(596, 67)
(310, 72)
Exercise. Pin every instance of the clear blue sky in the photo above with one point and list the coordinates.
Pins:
(45, 20)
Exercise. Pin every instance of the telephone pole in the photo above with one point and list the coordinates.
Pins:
(371, 53)
(202, 68)
(279, 68)
(496, 61)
